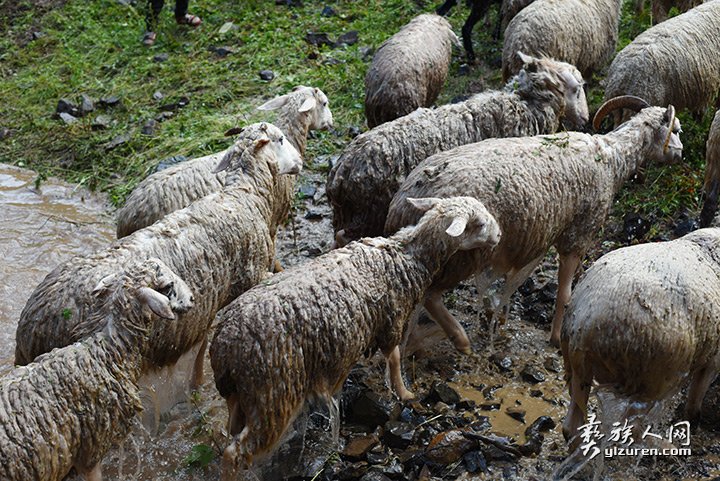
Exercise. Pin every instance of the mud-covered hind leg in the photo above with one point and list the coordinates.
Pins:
(579, 375)
(699, 385)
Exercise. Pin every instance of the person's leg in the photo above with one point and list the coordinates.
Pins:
(181, 15)
(153, 14)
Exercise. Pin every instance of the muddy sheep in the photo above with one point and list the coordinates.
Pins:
(581, 32)
(643, 320)
(409, 69)
(297, 336)
(301, 110)
(711, 188)
(70, 406)
(674, 62)
(544, 191)
(368, 173)
(220, 245)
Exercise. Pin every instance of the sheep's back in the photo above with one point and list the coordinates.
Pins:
(646, 316)
(169, 190)
(220, 246)
(408, 70)
(580, 32)
(674, 62)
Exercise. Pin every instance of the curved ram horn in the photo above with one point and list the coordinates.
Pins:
(671, 125)
(622, 102)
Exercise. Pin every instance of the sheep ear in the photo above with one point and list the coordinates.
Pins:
(424, 204)
(308, 105)
(103, 284)
(260, 143)
(457, 227)
(275, 103)
(529, 63)
(224, 162)
(157, 303)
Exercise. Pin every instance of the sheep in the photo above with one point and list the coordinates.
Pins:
(368, 173)
(544, 191)
(220, 245)
(297, 336)
(711, 188)
(71, 405)
(642, 320)
(581, 32)
(661, 8)
(301, 110)
(508, 10)
(673, 62)
(409, 69)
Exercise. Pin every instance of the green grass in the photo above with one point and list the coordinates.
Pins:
(93, 47)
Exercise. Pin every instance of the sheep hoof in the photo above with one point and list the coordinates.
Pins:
(406, 395)
(555, 341)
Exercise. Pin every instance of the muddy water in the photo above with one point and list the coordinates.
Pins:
(41, 228)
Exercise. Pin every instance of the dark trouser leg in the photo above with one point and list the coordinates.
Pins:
(181, 8)
(153, 14)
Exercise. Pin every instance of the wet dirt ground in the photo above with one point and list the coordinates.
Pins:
(474, 416)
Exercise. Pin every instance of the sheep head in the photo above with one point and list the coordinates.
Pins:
(261, 139)
(310, 101)
(467, 220)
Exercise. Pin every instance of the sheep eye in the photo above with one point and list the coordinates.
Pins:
(324, 104)
(280, 140)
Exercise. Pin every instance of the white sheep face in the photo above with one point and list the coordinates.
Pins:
(673, 152)
(318, 109)
(576, 108)
(287, 157)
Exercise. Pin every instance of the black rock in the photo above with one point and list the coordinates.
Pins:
(306, 191)
(528, 287)
(685, 226)
(370, 409)
(67, 118)
(490, 406)
(161, 57)
(532, 375)
(112, 101)
(366, 53)
(393, 469)
(328, 11)
(87, 105)
(353, 131)
(149, 127)
(536, 393)
(541, 424)
(398, 434)
(440, 391)
(475, 461)
(222, 51)
(289, 3)
(101, 122)
(465, 404)
(516, 413)
(183, 101)
(493, 453)
(313, 215)
(163, 116)
(5, 133)
(374, 476)
(552, 364)
(502, 361)
(380, 457)
(169, 162)
(352, 471)
(348, 38)
(37, 35)
(158, 95)
(548, 292)
(635, 226)
(117, 141)
(267, 75)
(318, 38)
(64, 106)
(464, 69)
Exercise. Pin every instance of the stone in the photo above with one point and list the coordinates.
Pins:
(516, 413)
(553, 364)
(449, 446)
(398, 434)
(313, 215)
(149, 127)
(532, 375)
(319, 39)
(541, 424)
(67, 107)
(306, 191)
(374, 476)
(267, 75)
(111, 101)
(5, 133)
(440, 391)
(370, 409)
(87, 105)
(67, 118)
(163, 116)
(161, 57)
(366, 53)
(222, 52)
(101, 122)
(328, 11)
(117, 141)
(158, 95)
(474, 461)
(353, 131)
(502, 361)
(493, 453)
(464, 69)
(348, 38)
(358, 447)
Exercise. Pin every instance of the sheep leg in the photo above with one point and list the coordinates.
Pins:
(566, 271)
(277, 267)
(230, 466)
(453, 330)
(698, 388)
(396, 381)
(478, 11)
(236, 417)
(710, 205)
(579, 383)
(197, 375)
(443, 9)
